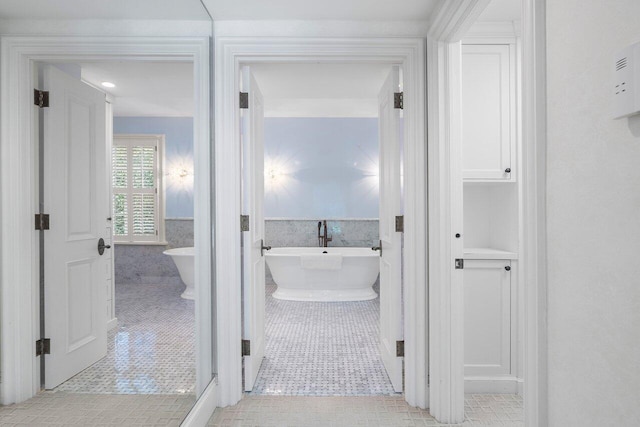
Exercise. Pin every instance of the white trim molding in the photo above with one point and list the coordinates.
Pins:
(18, 190)
(534, 245)
(446, 307)
(231, 53)
(204, 407)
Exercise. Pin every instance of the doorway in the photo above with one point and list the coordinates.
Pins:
(332, 146)
(408, 54)
(22, 380)
(150, 339)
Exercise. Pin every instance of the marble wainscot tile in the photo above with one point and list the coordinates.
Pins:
(304, 233)
(147, 263)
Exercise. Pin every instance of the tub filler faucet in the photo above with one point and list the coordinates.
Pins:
(323, 239)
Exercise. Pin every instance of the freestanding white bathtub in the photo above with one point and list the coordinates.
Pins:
(324, 274)
(184, 258)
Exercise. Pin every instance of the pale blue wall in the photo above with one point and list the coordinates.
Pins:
(321, 168)
(178, 133)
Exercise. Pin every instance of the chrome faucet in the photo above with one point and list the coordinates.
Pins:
(323, 238)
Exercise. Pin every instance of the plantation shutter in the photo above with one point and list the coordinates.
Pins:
(136, 178)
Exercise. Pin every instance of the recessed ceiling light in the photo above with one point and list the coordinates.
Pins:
(108, 84)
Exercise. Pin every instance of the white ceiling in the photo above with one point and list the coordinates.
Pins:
(320, 90)
(360, 10)
(161, 89)
(502, 10)
(101, 9)
(357, 10)
(145, 89)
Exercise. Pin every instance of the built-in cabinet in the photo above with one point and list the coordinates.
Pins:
(490, 324)
(491, 215)
(488, 96)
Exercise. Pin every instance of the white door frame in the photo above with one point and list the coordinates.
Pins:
(19, 263)
(447, 27)
(231, 52)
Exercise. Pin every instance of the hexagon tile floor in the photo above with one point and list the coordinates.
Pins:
(152, 351)
(321, 349)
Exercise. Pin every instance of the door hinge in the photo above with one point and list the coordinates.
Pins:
(398, 100)
(43, 346)
(459, 264)
(41, 98)
(400, 223)
(244, 222)
(399, 348)
(246, 348)
(244, 100)
(42, 221)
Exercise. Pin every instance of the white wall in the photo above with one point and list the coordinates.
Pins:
(321, 168)
(593, 219)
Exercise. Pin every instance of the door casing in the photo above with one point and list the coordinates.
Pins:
(19, 184)
(409, 53)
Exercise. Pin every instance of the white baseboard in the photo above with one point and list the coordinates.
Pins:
(204, 407)
(112, 323)
(500, 385)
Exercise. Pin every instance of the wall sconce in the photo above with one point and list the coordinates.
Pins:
(180, 175)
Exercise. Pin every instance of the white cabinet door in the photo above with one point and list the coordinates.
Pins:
(487, 317)
(488, 112)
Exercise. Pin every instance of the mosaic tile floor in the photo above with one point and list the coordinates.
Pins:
(321, 349)
(152, 351)
(64, 409)
(372, 411)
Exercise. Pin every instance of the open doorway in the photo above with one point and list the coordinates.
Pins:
(327, 190)
(148, 210)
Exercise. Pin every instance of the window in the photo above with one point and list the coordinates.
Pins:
(138, 212)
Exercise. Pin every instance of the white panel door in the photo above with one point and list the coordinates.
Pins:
(487, 317)
(253, 285)
(488, 113)
(390, 240)
(76, 197)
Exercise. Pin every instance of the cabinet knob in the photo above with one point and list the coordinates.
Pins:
(457, 235)
(508, 268)
(507, 170)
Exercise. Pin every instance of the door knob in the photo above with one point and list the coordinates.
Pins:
(102, 246)
(263, 247)
(378, 248)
